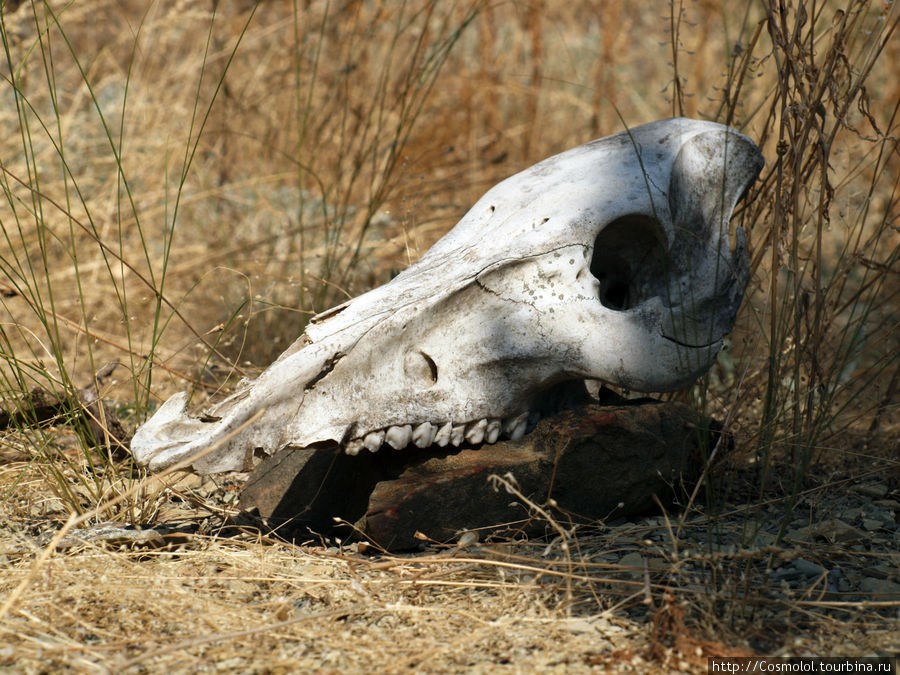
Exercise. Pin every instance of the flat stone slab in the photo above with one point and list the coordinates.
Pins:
(593, 462)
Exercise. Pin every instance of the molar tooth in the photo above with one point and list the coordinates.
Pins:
(510, 423)
(398, 437)
(456, 434)
(354, 446)
(492, 431)
(442, 437)
(374, 440)
(475, 432)
(519, 431)
(515, 426)
(423, 435)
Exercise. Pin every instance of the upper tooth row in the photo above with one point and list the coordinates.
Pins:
(425, 434)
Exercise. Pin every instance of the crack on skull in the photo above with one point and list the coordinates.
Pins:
(688, 345)
(502, 262)
(327, 367)
(497, 294)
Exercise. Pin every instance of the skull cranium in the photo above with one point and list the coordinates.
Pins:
(608, 262)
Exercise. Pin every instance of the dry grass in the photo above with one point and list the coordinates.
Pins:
(247, 605)
(186, 183)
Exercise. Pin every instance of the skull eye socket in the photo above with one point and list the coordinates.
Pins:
(629, 261)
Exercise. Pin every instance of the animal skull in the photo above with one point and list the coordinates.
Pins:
(608, 262)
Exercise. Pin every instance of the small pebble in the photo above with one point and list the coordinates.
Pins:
(808, 568)
(880, 589)
(874, 490)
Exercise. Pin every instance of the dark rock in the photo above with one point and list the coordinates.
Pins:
(808, 568)
(880, 589)
(874, 490)
(592, 461)
(299, 490)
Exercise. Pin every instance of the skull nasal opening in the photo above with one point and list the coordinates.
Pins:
(628, 261)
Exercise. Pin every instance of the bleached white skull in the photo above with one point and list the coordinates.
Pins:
(609, 262)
